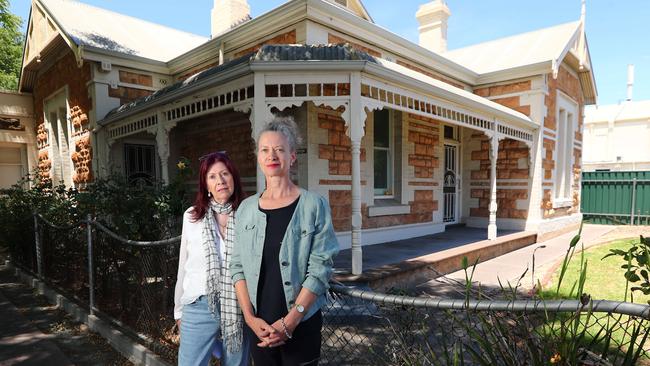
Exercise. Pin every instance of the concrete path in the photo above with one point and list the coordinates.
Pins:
(21, 343)
(510, 266)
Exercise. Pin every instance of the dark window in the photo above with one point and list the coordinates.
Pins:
(382, 153)
(140, 163)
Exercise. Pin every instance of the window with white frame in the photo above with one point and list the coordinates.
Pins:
(566, 117)
(58, 125)
(383, 154)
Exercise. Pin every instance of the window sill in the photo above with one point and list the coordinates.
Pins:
(562, 202)
(388, 208)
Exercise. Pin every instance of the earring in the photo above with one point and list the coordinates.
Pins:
(209, 194)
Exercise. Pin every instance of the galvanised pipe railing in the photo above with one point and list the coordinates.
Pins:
(555, 306)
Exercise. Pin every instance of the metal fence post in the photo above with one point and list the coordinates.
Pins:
(633, 201)
(39, 248)
(91, 277)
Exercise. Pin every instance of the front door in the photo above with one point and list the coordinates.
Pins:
(450, 185)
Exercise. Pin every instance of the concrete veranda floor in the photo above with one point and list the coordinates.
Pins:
(397, 251)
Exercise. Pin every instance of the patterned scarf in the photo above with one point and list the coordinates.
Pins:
(219, 284)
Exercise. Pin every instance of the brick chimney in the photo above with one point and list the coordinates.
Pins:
(226, 14)
(433, 17)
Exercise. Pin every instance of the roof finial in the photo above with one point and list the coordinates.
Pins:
(583, 11)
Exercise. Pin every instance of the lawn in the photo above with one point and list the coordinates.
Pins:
(604, 276)
(604, 280)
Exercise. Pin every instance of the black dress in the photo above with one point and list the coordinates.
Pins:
(271, 303)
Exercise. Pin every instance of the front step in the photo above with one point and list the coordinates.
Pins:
(410, 272)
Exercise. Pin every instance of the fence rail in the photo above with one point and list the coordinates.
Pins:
(132, 283)
(616, 197)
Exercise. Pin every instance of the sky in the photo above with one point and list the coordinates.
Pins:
(617, 30)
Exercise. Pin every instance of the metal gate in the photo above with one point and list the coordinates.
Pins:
(450, 187)
(616, 197)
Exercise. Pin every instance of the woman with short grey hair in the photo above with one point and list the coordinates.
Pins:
(282, 261)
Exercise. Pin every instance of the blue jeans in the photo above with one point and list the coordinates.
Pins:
(199, 330)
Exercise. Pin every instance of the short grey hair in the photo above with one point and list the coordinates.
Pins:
(287, 127)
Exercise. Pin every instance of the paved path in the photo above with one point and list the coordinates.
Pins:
(35, 332)
(510, 266)
(21, 343)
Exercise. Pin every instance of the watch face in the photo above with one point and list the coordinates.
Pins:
(300, 308)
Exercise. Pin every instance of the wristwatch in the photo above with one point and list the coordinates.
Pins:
(300, 308)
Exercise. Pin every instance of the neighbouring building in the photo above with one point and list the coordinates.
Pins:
(401, 138)
(617, 136)
(17, 139)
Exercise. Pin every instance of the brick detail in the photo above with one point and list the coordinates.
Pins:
(200, 136)
(337, 150)
(512, 163)
(44, 165)
(284, 38)
(513, 103)
(79, 121)
(126, 94)
(42, 136)
(423, 133)
(506, 203)
(331, 38)
(503, 89)
(65, 72)
(421, 210)
(82, 158)
(135, 78)
(430, 74)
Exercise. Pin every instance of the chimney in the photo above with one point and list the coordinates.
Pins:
(226, 14)
(433, 17)
(630, 81)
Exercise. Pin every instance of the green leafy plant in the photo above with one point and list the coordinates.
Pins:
(637, 264)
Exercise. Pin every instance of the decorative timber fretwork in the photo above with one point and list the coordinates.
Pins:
(377, 95)
(209, 104)
(133, 126)
(233, 95)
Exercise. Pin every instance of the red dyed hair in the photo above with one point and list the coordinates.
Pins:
(201, 202)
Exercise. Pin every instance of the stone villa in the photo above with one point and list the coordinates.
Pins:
(402, 138)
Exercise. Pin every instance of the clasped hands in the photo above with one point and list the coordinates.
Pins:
(271, 335)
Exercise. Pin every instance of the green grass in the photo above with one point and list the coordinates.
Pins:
(605, 279)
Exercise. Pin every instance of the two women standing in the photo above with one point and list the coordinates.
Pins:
(280, 261)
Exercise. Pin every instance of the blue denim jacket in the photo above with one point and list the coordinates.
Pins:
(306, 254)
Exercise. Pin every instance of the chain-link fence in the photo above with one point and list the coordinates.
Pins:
(131, 283)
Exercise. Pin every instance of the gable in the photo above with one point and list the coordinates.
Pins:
(354, 6)
(42, 31)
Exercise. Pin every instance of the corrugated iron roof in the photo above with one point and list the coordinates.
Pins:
(91, 26)
(529, 48)
(268, 53)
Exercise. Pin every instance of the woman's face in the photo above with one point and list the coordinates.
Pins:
(274, 154)
(220, 182)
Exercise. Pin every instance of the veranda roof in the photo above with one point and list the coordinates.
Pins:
(293, 55)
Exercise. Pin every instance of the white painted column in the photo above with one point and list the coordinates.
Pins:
(162, 145)
(494, 154)
(260, 114)
(357, 120)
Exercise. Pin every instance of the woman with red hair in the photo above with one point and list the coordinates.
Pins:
(205, 303)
